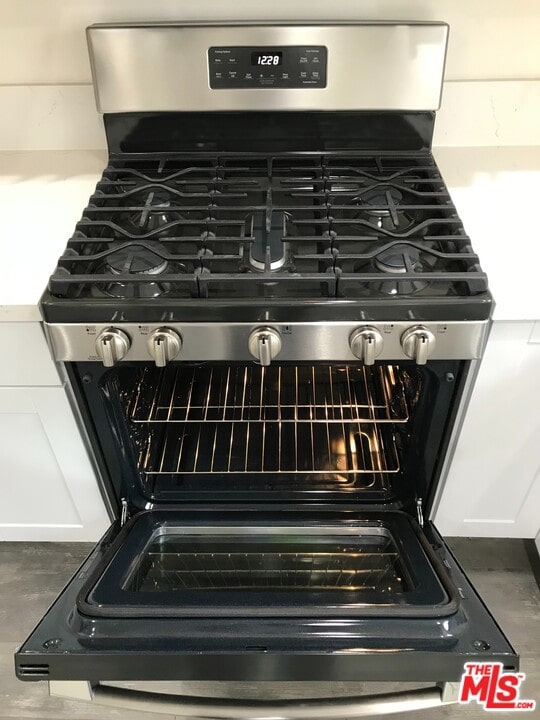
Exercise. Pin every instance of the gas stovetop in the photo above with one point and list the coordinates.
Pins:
(291, 226)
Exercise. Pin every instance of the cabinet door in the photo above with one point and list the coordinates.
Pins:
(49, 490)
(493, 487)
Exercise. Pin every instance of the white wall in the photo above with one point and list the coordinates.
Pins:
(43, 42)
(46, 101)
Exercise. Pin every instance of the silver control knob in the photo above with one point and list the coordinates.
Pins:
(366, 344)
(112, 345)
(418, 343)
(264, 344)
(164, 345)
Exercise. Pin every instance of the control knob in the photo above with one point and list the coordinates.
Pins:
(264, 344)
(418, 343)
(164, 345)
(112, 345)
(366, 344)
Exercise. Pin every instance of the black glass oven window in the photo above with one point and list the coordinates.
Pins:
(173, 563)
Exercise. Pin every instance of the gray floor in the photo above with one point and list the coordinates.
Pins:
(32, 574)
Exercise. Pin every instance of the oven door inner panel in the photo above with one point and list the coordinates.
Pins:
(380, 564)
(322, 643)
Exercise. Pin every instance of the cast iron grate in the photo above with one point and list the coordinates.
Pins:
(287, 226)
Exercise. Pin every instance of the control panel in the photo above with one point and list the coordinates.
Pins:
(292, 66)
(295, 342)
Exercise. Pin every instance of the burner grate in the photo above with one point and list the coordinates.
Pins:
(292, 226)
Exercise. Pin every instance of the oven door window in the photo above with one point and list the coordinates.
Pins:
(380, 564)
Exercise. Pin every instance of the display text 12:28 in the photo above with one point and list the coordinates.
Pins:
(274, 58)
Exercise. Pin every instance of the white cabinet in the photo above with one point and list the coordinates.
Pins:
(493, 488)
(25, 359)
(49, 490)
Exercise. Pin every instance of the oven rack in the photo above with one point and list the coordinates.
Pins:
(337, 454)
(375, 570)
(283, 394)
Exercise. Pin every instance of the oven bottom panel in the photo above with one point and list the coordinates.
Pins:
(316, 646)
(241, 566)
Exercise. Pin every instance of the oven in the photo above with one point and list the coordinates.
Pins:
(269, 319)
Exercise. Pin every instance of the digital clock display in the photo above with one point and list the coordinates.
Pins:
(268, 57)
(265, 67)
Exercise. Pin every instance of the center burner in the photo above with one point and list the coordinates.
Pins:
(268, 251)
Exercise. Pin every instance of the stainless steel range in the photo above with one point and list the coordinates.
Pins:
(271, 317)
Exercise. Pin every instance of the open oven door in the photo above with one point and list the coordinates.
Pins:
(328, 597)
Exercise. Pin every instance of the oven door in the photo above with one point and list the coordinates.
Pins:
(303, 596)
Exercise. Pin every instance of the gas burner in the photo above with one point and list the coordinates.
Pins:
(381, 205)
(397, 260)
(268, 251)
(154, 213)
(134, 259)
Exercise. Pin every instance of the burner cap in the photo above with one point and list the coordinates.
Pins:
(137, 260)
(398, 259)
(380, 197)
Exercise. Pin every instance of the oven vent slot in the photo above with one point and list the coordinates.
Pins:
(37, 671)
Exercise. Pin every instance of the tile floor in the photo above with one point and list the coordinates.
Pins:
(32, 574)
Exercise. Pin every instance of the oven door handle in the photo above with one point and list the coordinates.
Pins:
(229, 709)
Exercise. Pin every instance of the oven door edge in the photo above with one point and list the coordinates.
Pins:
(234, 650)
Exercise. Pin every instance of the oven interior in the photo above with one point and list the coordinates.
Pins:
(341, 447)
(245, 431)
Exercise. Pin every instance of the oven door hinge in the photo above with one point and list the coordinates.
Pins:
(124, 515)
(419, 513)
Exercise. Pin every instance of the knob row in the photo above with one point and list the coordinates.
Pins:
(264, 344)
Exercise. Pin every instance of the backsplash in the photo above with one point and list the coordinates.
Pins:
(492, 72)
